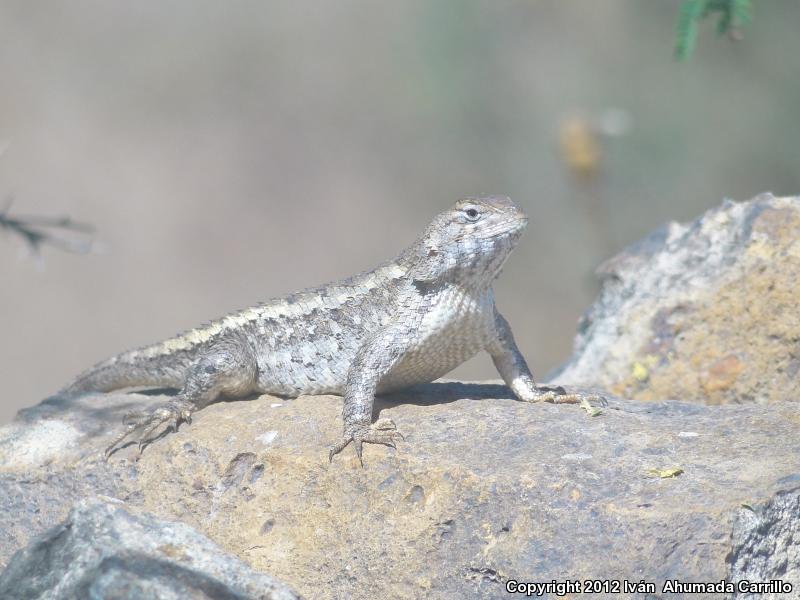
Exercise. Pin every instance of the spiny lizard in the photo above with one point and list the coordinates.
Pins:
(411, 320)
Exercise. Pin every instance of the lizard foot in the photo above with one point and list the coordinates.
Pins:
(558, 395)
(383, 431)
(173, 414)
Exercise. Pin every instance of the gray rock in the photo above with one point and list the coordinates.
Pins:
(485, 489)
(102, 551)
(705, 311)
(766, 541)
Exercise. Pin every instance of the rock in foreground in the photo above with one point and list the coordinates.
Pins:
(103, 551)
(484, 489)
(706, 311)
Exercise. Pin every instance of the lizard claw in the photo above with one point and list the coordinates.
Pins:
(383, 431)
(596, 399)
(173, 414)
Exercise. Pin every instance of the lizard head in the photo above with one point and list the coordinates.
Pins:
(472, 239)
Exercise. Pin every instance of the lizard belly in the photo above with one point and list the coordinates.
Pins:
(455, 330)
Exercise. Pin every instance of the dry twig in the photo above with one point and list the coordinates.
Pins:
(41, 231)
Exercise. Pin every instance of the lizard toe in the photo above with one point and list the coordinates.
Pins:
(336, 448)
(383, 432)
(384, 425)
(140, 426)
(596, 400)
(558, 395)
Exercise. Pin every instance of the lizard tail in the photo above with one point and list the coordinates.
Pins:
(130, 369)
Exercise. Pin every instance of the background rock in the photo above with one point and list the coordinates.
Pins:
(483, 490)
(706, 311)
(103, 551)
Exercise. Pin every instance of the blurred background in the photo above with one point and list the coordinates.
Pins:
(229, 152)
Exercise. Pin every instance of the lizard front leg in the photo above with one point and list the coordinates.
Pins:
(515, 372)
(372, 362)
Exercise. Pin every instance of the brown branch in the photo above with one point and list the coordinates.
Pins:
(41, 231)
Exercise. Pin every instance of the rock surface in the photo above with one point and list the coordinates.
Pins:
(483, 490)
(103, 551)
(706, 311)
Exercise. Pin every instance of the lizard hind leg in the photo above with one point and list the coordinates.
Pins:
(224, 370)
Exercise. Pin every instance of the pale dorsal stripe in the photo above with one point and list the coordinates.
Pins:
(279, 309)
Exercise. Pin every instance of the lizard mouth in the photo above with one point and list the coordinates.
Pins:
(513, 226)
(511, 229)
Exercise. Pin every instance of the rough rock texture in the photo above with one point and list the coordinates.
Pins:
(103, 551)
(706, 311)
(767, 541)
(484, 489)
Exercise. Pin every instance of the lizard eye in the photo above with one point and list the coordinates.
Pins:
(472, 214)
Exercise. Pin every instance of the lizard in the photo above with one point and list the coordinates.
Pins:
(410, 320)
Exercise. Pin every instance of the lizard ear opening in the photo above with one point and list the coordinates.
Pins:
(429, 263)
